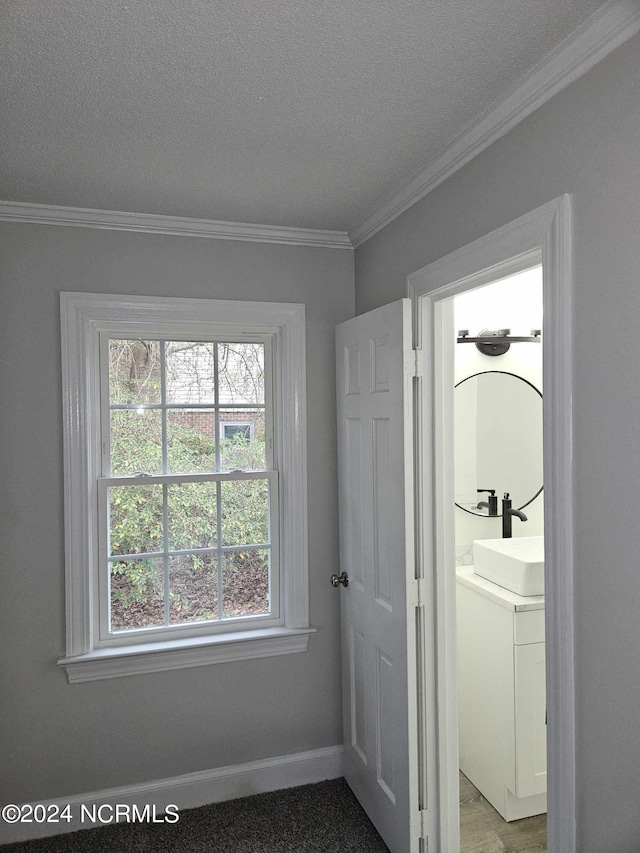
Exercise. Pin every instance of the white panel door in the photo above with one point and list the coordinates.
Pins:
(375, 442)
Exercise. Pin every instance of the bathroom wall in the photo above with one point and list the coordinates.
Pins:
(513, 303)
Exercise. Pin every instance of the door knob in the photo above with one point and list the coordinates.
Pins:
(342, 579)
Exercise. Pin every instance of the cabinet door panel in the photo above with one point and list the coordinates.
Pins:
(528, 627)
(531, 731)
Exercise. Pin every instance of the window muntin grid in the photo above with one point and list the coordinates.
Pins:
(231, 380)
(162, 401)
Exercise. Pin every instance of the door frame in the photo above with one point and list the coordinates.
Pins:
(540, 237)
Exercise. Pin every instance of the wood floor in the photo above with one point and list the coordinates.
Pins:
(482, 830)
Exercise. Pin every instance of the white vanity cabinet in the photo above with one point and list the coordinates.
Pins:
(501, 695)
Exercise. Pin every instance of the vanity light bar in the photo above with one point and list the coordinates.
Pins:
(504, 335)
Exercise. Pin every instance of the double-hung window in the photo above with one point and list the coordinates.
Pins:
(184, 482)
(189, 521)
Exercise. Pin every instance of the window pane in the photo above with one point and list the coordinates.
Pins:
(231, 430)
(242, 439)
(191, 441)
(241, 373)
(135, 519)
(136, 441)
(192, 516)
(137, 594)
(193, 588)
(190, 374)
(245, 512)
(134, 372)
(246, 583)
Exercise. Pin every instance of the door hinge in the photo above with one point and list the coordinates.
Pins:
(421, 828)
(413, 362)
(418, 369)
(426, 826)
(422, 591)
(416, 592)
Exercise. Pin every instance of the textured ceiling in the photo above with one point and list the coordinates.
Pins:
(285, 113)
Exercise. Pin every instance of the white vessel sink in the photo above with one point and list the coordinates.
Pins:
(516, 564)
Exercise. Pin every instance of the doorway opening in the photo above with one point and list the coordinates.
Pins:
(540, 239)
(499, 561)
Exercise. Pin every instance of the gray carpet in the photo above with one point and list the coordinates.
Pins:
(322, 818)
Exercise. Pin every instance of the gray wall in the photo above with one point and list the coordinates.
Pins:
(585, 141)
(58, 739)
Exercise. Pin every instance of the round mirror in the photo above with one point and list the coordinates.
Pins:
(497, 441)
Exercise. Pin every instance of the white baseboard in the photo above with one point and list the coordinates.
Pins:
(185, 792)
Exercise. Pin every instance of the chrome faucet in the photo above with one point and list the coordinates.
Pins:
(507, 514)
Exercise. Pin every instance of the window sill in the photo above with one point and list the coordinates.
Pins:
(180, 654)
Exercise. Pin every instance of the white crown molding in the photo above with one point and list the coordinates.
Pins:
(186, 792)
(600, 34)
(151, 223)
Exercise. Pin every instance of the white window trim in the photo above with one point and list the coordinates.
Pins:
(83, 317)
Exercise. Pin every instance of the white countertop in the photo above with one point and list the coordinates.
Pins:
(467, 577)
